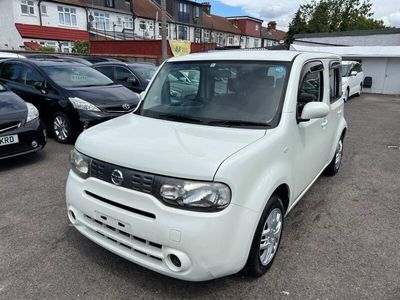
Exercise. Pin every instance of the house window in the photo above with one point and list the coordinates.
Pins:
(119, 21)
(197, 12)
(102, 20)
(182, 32)
(206, 36)
(197, 35)
(220, 41)
(143, 25)
(27, 7)
(256, 43)
(183, 15)
(257, 27)
(43, 9)
(160, 29)
(230, 39)
(110, 3)
(128, 23)
(66, 16)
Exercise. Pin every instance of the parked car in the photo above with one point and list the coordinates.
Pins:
(197, 186)
(7, 55)
(352, 78)
(70, 96)
(98, 59)
(21, 131)
(58, 56)
(134, 76)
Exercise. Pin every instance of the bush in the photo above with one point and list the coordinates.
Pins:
(46, 49)
(81, 47)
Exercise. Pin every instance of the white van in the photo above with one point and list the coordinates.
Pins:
(352, 78)
(196, 183)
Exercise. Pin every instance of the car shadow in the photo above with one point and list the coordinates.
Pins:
(22, 161)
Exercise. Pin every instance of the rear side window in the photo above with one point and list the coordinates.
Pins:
(122, 74)
(11, 71)
(107, 70)
(30, 76)
(335, 82)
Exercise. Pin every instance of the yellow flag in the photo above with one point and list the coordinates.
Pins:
(180, 48)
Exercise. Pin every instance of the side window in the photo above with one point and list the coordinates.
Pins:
(358, 68)
(107, 70)
(11, 71)
(30, 76)
(312, 85)
(335, 82)
(122, 74)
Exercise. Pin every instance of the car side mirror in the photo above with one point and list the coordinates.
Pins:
(40, 85)
(314, 110)
(132, 80)
(353, 73)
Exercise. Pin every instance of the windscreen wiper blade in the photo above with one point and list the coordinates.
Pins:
(180, 118)
(238, 123)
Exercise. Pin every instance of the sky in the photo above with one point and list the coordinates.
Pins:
(282, 11)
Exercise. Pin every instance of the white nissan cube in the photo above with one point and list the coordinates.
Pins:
(196, 183)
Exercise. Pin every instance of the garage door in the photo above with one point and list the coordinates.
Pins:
(392, 78)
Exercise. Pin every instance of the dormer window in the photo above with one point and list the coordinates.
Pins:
(110, 3)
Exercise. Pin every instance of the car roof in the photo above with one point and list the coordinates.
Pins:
(251, 55)
(44, 62)
(348, 62)
(121, 63)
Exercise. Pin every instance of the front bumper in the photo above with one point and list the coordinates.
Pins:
(90, 118)
(31, 132)
(140, 228)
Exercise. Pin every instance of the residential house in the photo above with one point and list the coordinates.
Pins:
(251, 30)
(272, 36)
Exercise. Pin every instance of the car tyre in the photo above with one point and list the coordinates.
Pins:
(346, 95)
(360, 90)
(266, 239)
(333, 168)
(61, 128)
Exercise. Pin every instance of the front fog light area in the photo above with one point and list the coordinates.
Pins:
(80, 163)
(207, 196)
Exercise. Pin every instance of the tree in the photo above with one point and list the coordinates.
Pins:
(81, 47)
(333, 16)
(46, 49)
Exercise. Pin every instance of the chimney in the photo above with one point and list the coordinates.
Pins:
(206, 7)
(272, 25)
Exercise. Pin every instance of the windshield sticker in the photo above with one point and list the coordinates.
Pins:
(280, 70)
(79, 77)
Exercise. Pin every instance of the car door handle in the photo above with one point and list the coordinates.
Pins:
(324, 123)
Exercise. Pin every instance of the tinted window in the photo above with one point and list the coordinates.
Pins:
(335, 83)
(223, 92)
(122, 74)
(76, 76)
(312, 85)
(11, 71)
(30, 76)
(108, 71)
(146, 72)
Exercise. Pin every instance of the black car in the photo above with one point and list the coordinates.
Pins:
(134, 76)
(70, 96)
(72, 58)
(21, 131)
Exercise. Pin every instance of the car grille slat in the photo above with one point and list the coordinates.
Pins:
(9, 126)
(134, 180)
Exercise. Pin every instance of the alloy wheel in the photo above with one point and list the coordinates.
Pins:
(339, 154)
(270, 236)
(60, 127)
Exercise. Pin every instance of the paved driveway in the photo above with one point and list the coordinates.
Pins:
(342, 240)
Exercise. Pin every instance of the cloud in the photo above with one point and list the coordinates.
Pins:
(282, 11)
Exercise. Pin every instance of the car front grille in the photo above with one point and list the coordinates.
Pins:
(131, 244)
(120, 108)
(9, 126)
(134, 180)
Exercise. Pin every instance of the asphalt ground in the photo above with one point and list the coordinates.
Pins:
(342, 241)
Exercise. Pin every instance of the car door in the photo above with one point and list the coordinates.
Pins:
(353, 81)
(311, 139)
(359, 76)
(126, 77)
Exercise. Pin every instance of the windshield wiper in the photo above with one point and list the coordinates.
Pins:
(237, 123)
(180, 118)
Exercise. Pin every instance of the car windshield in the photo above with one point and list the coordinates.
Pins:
(221, 93)
(76, 76)
(345, 70)
(145, 72)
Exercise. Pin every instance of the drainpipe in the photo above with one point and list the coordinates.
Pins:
(40, 12)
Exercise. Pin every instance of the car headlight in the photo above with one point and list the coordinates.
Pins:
(193, 195)
(79, 103)
(80, 163)
(33, 113)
